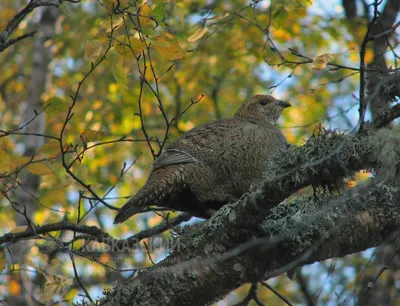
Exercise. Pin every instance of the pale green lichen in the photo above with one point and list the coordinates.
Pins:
(386, 143)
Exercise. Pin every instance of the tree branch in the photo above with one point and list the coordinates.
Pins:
(94, 233)
(254, 239)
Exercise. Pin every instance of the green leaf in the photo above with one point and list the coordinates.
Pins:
(121, 76)
(158, 12)
(280, 17)
(150, 29)
(55, 106)
(4, 162)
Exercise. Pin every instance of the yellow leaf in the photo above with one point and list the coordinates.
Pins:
(50, 148)
(92, 50)
(321, 61)
(39, 169)
(55, 284)
(4, 162)
(19, 161)
(137, 45)
(172, 51)
(109, 5)
(145, 10)
(71, 294)
(134, 44)
(198, 34)
(91, 135)
(112, 24)
(57, 193)
(2, 261)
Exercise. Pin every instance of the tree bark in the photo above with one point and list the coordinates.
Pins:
(254, 239)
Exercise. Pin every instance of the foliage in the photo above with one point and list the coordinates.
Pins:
(128, 77)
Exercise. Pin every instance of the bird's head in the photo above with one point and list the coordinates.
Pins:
(263, 108)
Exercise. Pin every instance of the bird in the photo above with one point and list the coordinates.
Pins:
(214, 163)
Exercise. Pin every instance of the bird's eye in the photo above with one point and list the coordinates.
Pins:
(263, 102)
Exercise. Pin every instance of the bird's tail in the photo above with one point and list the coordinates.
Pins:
(156, 191)
(130, 208)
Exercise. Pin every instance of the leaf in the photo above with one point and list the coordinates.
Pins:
(4, 161)
(126, 46)
(113, 23)
(19, 161)
(145, 10)
(57, 193)
(157, 43)
(321, 61)
(137, 45)
(109, 6)
(92, 50)
(50, 148)
(55, 106)
(150, 29)
(55, 284)
(280, 17)
(121, 76)
(91, 135)
(39, 169)
(2, 261)
(173, 51)
(180, 12)
(219, 17)
(198, 34)
(158, 12)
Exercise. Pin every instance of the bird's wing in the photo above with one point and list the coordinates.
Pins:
(212, 141)
(173, 156)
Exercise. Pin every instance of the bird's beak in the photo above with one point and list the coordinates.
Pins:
(283, 104)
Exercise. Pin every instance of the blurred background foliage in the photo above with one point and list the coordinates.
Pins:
(202, 58)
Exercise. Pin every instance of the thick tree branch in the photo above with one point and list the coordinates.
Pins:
(250, 240)
(301, 232)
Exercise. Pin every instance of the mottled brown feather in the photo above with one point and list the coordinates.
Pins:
(214, 163)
